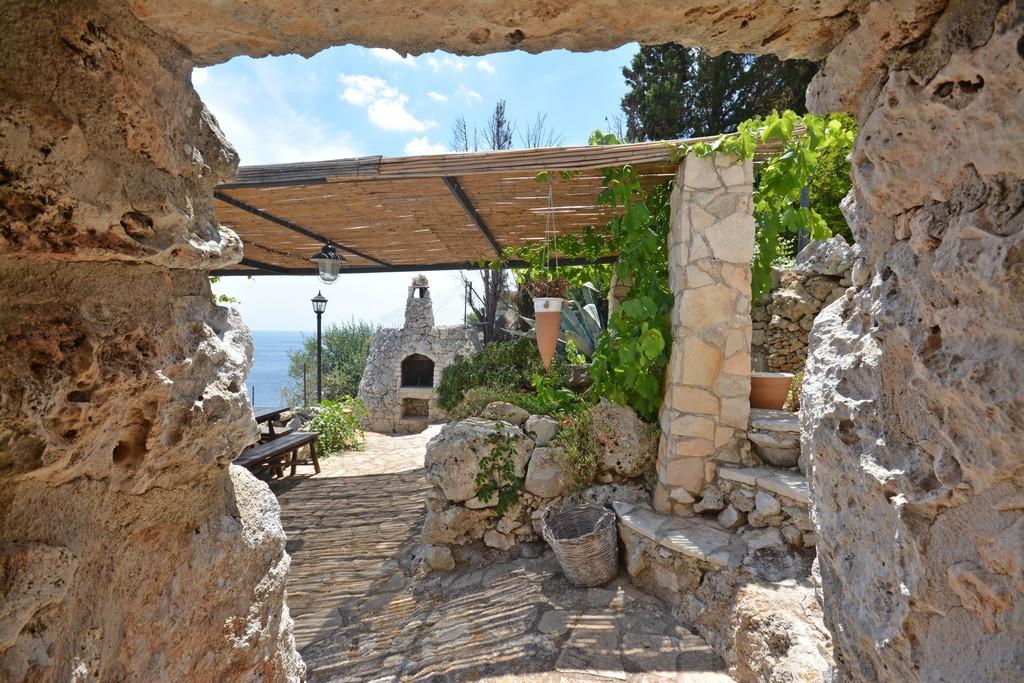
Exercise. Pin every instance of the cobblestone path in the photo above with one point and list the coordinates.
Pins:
(362, 615)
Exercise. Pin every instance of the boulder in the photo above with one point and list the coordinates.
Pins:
(827, 257)
(731, 518)
(767, 504)
(711, 500)
(496, 539)
(455, 525)
(500, 410)
(437, 557)
(544, 475)
(542, 428)
(625, 443)
(452, 458)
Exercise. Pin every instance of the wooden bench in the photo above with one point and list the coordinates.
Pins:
(270, 456)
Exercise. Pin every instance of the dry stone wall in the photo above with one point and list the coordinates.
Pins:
(706, 407)
(782, 319)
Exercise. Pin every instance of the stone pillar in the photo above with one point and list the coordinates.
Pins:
(707, 390)
(130, 548)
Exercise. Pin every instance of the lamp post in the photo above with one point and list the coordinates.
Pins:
(319, 306)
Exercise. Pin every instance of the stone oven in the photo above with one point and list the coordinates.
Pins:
(405, 366)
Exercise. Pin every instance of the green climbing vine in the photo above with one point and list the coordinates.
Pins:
(497, 475)
(632, 353)
(781, 178)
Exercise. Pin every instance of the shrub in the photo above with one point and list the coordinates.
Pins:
(337, 423)
(509, 365)
(345, 349)
(579, 459)
(476, 399)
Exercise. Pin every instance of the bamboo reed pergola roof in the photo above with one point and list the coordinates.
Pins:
(433, 212)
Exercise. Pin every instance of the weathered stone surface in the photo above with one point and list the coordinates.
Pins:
(542, 428)
(913, 389)
(626, 445)
(804, 29)
(500, 410)
(544, 474)
(780, 635)
(455, 524)
(453, 456)
(497, 540)
(392, 404)
(438, 557)
(124, 403)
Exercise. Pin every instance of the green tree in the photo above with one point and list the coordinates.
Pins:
(676, 91)
(345, 349)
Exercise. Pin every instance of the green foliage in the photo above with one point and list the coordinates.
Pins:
(831, 180)
(630, 358)
(796, 388)
(579, 447)
(345, 349)
(556, 399)
(338, 425)
(777, 209)
(676, 91)
(508, 365)
(497, 473)
(220, 298)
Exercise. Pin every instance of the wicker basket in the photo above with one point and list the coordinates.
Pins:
(585, 539)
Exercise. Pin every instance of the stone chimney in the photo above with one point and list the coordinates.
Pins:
(419, 312)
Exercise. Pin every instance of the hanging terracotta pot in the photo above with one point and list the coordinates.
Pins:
(548, 314)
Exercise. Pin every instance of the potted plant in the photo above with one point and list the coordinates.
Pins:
(548, 295)
(769, 389)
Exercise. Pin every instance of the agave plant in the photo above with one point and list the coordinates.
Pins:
(581, 323)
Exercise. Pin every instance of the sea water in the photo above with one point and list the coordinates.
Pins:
(269, 375)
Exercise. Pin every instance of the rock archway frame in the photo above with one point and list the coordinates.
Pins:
(125, 535)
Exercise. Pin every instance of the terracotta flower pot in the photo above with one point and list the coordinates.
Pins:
(548, 313)
(769, 389)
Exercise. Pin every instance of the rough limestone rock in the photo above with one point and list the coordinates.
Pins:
(775, 435)
(544, 475)
(452, 458)
(626, 445)
(833, 256)
(500, 410)
(542, 428)
(437, 557)
(780, 636)
(913, 393)
(606, 494)
(454, 524)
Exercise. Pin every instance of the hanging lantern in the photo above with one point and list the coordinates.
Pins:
(328, 264)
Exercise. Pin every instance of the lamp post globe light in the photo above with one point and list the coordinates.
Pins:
(319, 306)
(328, 264)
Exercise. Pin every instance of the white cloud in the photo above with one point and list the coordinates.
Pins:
(385, 105)
(256, 112)
(424, 146)
(437, 97)
(467, 94)
(485, 66)
(446, 63)
(391, 57)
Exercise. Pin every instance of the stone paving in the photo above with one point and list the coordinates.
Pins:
(363, 614)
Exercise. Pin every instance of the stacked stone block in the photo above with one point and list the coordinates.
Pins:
(706, 407)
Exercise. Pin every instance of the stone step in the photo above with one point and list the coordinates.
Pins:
(786, 483)
(763, 420)
(695, 537)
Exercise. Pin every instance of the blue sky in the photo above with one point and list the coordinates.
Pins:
(353, 101)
